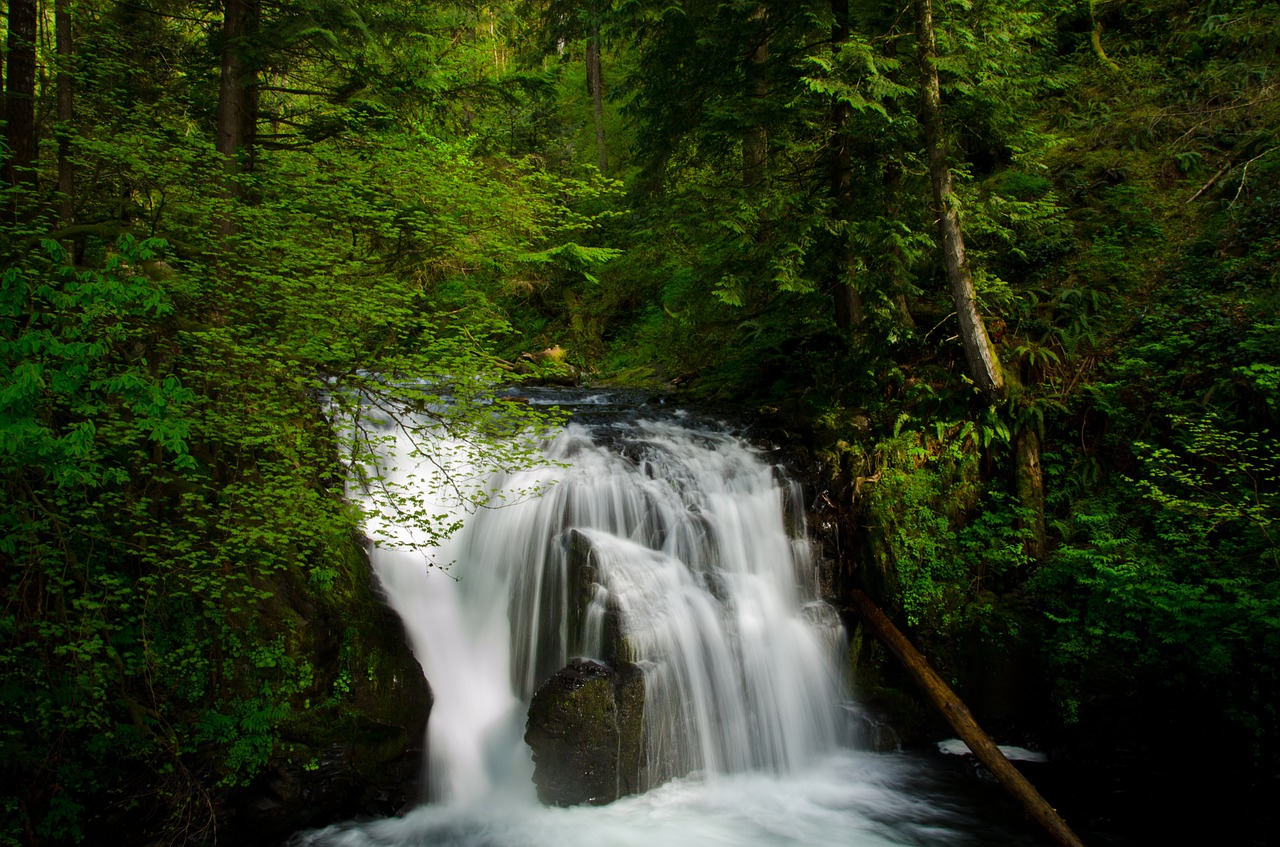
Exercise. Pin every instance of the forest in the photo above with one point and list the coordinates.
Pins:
(1006, 272)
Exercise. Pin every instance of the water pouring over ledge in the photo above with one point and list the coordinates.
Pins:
(661, 545)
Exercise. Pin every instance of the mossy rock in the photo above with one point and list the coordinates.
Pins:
(585, 727)
(352, 742)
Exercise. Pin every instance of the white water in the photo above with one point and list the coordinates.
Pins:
(687, 531)
(845, 799)
(956, 747)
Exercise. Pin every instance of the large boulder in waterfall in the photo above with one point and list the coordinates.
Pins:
(585, 727)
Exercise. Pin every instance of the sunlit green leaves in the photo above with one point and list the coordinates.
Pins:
(184, 401)
(65, 329)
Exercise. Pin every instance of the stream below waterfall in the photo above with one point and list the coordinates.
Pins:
(845, 799)
(699, 573)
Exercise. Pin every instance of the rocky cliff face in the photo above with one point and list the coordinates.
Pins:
(352, 745)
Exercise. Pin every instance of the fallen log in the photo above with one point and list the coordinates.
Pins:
(957, 714)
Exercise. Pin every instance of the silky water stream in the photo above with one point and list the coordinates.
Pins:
(698, 548)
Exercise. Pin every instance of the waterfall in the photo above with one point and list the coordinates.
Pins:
(689, 545)
(680, 550)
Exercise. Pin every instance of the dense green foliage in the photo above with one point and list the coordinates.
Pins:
(201, 337)
(194, 368)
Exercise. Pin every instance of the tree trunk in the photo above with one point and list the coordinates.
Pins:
(755, 142)
(595, 85)
(237, 96)
(980, 353)
(20, 97)
(237, 92)
(1029, 483)
(66, 113)
(898, 284)
(849, 312)
(1096, 39)
(958, 715)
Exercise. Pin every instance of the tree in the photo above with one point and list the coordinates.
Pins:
(66, 113)
(848, 302)
(237, 121)
(563, 25)
(755, 138)
(20, 99)
(984, 365)
(595, 85)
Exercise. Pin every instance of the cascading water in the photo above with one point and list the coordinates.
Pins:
(716, 603)
(666, 546)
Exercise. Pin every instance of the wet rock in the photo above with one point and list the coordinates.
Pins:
(585, 727)
(868, 729)
(587, 597)
(352, 744)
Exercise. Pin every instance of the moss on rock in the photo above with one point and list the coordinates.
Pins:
(585, 727)
(351, 742)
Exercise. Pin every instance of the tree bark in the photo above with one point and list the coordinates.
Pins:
(1029, 482)
(237, 90)
(237, 98)
(755, 142)
(980, 353)
(20, 97)
(957, 714)
(898, 283)
(849, 313)
(66, 113)
(595, 85)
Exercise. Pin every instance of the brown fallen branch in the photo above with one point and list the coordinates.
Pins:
(1244, 174)
(957, 714)
(1212, 181)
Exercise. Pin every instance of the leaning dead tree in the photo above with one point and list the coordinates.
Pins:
(957, 714)
(984, 365)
